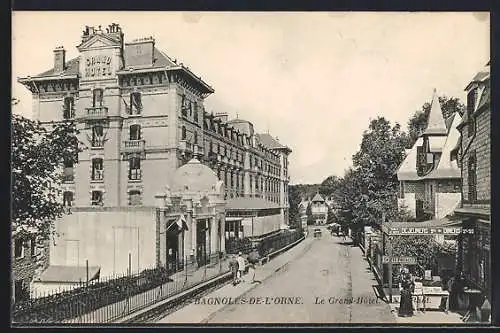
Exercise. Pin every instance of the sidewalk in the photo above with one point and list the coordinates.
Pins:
(201, 313)
(180, 281)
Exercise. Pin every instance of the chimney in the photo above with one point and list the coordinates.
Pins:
(59, 59)
(140, 52)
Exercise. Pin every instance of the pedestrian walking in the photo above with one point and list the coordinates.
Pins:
(241, 267)
(253, 259)
(233, 266)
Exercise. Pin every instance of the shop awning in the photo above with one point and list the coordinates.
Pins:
(69, 274)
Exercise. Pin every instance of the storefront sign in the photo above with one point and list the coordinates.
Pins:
(98, 66)
(403, 231)
(399, 260)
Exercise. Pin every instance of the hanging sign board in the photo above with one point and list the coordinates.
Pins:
(403, 231)
(399, 260)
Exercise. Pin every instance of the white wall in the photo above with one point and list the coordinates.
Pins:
(105, 238)
(445, 203)
(409, 203)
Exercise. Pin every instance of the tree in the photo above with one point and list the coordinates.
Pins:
(371, 186)
(418, 122)
(293, 201)
(424, 248)
(310, 219)
(38, 154)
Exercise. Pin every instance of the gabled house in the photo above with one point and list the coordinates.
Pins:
(319, 209)
(429, 177)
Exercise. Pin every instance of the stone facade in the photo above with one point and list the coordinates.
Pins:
(141, 115)
(473, 154)
(28, 259)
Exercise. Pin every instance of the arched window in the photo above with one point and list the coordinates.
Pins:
(135, 132)
(97, 97)
(183, 133)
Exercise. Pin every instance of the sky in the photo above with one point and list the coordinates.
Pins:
(314, 80)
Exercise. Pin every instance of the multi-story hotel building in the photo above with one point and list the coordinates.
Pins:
(142, 119)
(141, 115)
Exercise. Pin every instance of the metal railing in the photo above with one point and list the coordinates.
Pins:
(109, 299)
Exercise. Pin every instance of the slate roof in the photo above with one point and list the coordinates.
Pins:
(69, 274)
(318, 198)
(435, 123)
(407, 170)
(244, 203)
(72, 68)
(270, 142)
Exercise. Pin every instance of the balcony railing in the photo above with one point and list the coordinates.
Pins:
(131, 146)
(97, 112)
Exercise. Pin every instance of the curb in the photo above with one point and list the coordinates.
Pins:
(205, 321)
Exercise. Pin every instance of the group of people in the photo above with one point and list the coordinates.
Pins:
(237, 264)
(336, 229)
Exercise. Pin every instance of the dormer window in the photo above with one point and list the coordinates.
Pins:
(69, 107)
(135, 103)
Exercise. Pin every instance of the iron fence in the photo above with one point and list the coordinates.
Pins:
(108, 299)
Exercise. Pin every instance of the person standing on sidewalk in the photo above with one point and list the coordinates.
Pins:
(253, 259)
(241, 266)
(233, 266)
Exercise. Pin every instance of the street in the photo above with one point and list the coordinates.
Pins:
(328, 283)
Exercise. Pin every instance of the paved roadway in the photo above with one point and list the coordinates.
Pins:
(330, 283)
